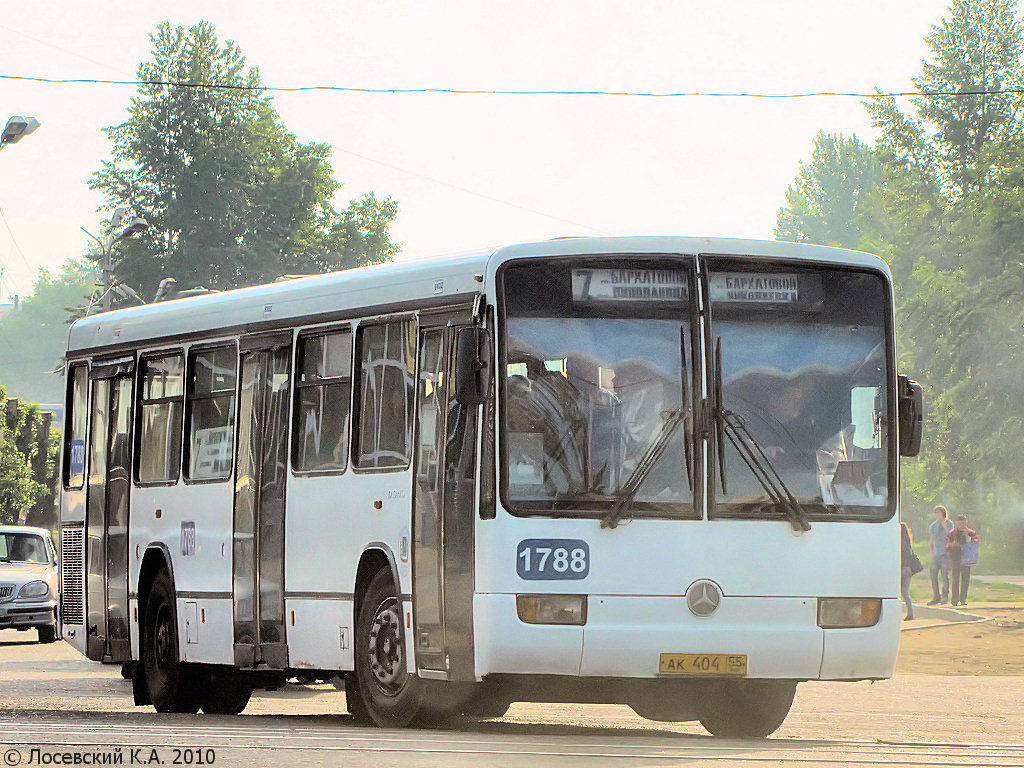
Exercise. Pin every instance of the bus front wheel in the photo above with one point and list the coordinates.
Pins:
(390, 695)
(168, 681)
(746, 708)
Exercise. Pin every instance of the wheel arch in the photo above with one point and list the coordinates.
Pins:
(376, 556)
(156, 558)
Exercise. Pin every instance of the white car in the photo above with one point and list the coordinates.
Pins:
(28, 581)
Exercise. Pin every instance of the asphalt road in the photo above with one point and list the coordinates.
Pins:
(68, 708)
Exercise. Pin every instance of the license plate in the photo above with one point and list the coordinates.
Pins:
(703, 664)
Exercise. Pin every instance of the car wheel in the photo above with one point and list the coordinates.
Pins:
(171, 684)
(47, 634)
(390, 695)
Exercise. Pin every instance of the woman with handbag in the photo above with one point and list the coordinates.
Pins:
(962, 548)
(911, 564)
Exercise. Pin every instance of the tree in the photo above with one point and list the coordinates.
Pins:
(825, 204)
(232, 198)
(949, 218)
(21, 438)
(33, 337)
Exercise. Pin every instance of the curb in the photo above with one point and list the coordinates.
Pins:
(948, 616)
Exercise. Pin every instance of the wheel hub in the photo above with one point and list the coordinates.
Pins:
(386, 657)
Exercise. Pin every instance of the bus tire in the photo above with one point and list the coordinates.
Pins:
(746, 708)
(225, 691)
(171, 684)
(487, 709)
(670, 709)
(354, 699)
(390, 695)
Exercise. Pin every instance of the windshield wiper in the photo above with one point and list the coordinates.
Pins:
(730, 424)
(628, 491)
(684, 379)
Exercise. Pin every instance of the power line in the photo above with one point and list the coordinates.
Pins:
(517, 92)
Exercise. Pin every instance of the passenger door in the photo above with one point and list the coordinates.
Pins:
(260, 479)
(107, 505)
(443, 517)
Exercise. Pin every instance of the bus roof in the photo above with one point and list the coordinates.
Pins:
(392, 286)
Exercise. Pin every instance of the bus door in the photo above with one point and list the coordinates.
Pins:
(106, 512)
(443, 549)
(258, 528)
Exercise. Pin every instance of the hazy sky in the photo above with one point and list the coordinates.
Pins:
(474, 171)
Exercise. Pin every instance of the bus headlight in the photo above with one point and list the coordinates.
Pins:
(848, 612)
(34, 589)
(552, 609)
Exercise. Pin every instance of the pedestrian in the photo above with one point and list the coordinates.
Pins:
(911, 564)
(962, 550)
(937, 533)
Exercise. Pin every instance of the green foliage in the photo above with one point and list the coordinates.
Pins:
(826, 201)
(20, 487)
(33, 337)
(949, 219)
(944, 205)
(232, 198)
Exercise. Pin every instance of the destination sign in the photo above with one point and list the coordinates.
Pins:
(748, 287)
(646, 285)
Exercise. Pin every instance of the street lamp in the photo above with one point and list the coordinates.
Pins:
(16, 129)
(137, 224)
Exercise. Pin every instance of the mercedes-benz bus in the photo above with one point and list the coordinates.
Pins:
(654, 471)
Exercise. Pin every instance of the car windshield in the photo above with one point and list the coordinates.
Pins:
(23, 548)
(594, 393)
(803, 376)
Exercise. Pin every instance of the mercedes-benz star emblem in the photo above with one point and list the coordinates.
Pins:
(703, 597)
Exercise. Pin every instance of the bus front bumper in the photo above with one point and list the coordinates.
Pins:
(625, 636)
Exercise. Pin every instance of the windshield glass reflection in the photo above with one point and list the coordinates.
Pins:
(585, 399)
(809, 386)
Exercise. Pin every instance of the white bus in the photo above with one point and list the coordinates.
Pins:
(654, 471)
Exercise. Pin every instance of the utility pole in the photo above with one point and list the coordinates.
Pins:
(138, 224)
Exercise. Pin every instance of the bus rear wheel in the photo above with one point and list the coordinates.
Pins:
(171, 685)
(226, 691)
(746, 708)
(390, 695)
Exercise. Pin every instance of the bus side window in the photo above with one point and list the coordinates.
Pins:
(324, 391)
(211, 407)
(387, 391)
(78, 419)
(160, 416)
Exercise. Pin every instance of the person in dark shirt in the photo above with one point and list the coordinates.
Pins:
(906, 556)
(958, 542)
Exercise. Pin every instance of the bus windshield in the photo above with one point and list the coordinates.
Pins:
(803, 382)
(594, 395)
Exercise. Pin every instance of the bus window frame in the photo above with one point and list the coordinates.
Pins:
(725, 262)
(140, 403)
(357, 387)
(301, 336)
(186, 441)
(65, 467)
(695, 369)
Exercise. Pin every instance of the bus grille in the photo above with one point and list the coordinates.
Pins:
(6, 590)
(72, 562)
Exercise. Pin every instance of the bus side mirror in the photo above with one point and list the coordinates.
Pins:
(472, 365)
(910, 402)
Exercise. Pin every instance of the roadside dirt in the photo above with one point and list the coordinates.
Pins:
(993, 647)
